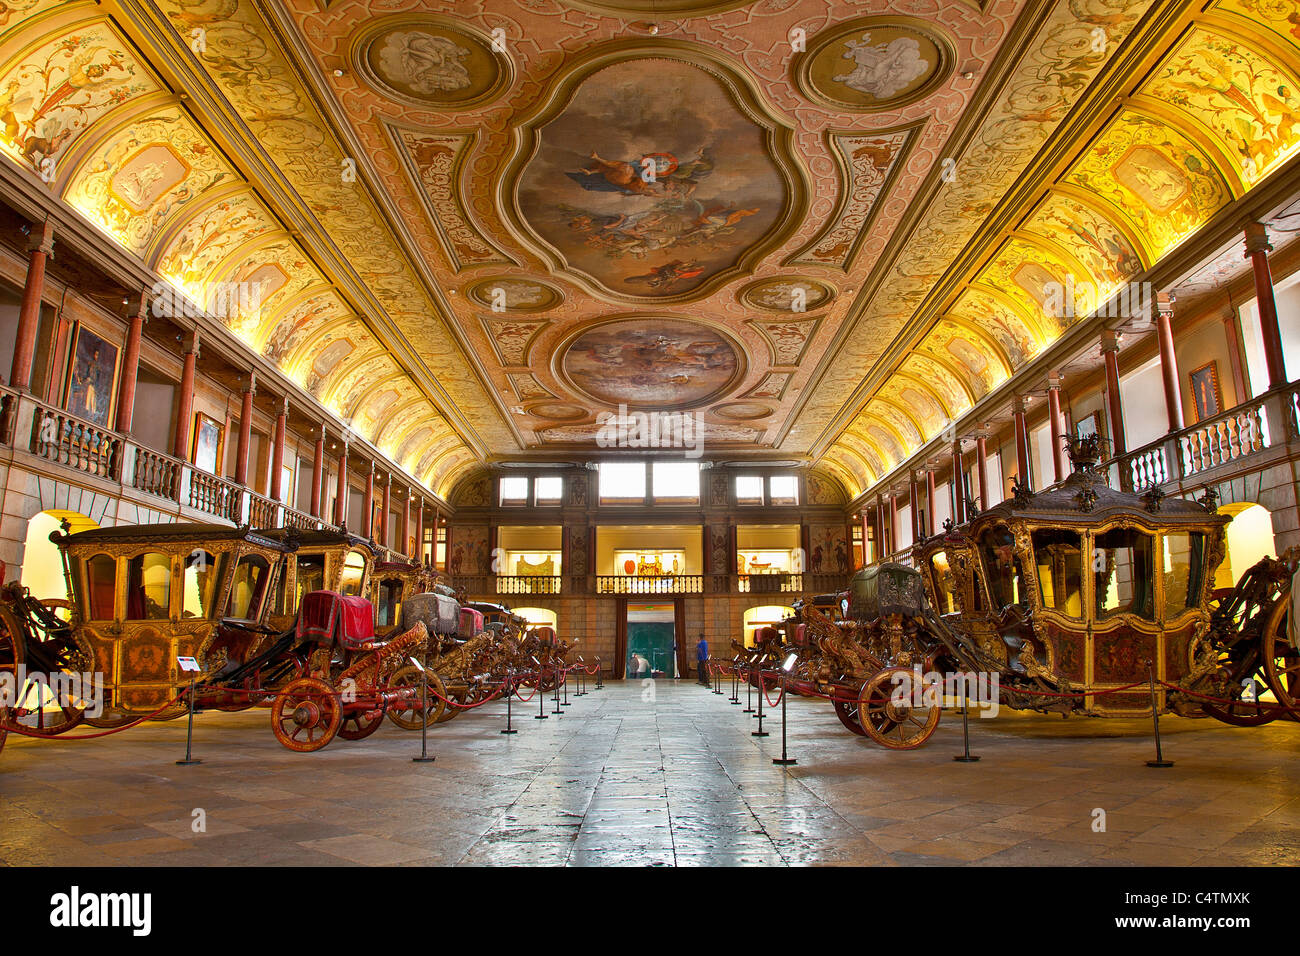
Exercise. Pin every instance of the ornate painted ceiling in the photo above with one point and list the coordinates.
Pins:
(828, 227)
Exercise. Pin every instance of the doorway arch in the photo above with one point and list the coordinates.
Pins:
(1250, 537)
(767, 615)
(42, 570)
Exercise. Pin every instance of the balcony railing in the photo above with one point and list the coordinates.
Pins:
(650, 584)
(770, 583)
(216, 497)
(75, 443)
(528, 584)
(156, 473)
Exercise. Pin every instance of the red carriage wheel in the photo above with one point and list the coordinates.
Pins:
(37, 709)
(895, 724)
(407, 716)
(847, 712)
(306, 715)
(360, 724)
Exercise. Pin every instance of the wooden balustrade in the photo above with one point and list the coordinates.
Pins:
(528, 584)
(299, 519)
(262, 511)
(1225, 438)
(212, 495)
(156, 473)
(76, 443)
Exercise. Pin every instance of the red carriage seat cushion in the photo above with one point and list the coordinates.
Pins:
(801, 634)
(325, 614)
(471, 622)
(767, 634)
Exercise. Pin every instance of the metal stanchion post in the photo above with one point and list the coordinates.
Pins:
(600, 676)
(717, 681)
(749, 690)
(556, 677)
(566, 688)
(735, 683)
(965, 756)
(541, 698)
(424, 714)
(1160, 761)
(510, 693)
(189, 732)
(761, 689)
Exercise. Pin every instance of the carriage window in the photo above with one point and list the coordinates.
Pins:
(148, 587)
(1058, 556)
(943, 583)
(202, 572)
(1184, 560)
(354, 569)
(311, 574)
(389, 607)
(248, 587)
(1002, 565)
(1122, 569)
(101, 587)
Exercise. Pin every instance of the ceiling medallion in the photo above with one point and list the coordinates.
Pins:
(875, 63)
(656, 8)
(511, 294)
(742, 411)
(652, 171)
(787, 295)
(429, 61)
(557, 412)
(651, 362)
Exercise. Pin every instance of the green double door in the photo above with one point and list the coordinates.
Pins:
(653, 640)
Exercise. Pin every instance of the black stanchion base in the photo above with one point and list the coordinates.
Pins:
(759, 733)
(541, 717)
(965, 758)
(187, 763)
(509, 731)
(784, 761)
(1160, 763)
(423, 759)
(749, 710)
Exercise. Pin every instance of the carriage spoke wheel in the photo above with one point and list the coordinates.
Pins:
(1281, 658)
(894, 724)
(407, 716)
(37, 709)
(307, 715)
(462, 693)
(847, 712)
(360, 724)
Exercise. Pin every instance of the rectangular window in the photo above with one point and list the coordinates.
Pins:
(783, 489)
(548, 489)
(676, 481)
(514, 491)
(749, 490)
(622, 481)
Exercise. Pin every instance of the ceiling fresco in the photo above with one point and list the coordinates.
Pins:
(839, 226)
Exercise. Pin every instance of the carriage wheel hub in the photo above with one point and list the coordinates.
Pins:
(306, 714)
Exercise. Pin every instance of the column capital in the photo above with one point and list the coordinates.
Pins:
(41, 238)
(251, 387)
(1054, 379)
(1164, 304)
(1257, 238)
(1019, 404)
(190, 342)
(142, 308)
(1109, 340)
(284, 407)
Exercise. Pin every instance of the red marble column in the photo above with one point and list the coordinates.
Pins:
(131, 365)
(929, 502)
(384, 515)
(1257, 250)
(341, 492)
(318, 474)
(404, 546)
(1057, 425)
(419, 531)
(1110, 352)
(277, 451)
(914, 500)
(958, 485)
(893, 520)
(245, 431)
(368, 505)
(1026, 475)
(39, 247)
(185, 398)
(1164, 308)
(982, 470)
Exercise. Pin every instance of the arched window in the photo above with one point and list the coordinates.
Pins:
(248, 587)
(354, 572)
(101, 588)
(149, 587)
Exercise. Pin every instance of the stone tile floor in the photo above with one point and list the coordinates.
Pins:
(677, 780)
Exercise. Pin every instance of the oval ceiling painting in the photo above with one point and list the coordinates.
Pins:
(651, 363)
(875, 64)
(430, 62)
(651, 181)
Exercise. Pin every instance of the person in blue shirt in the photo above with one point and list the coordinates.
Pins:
(701, 659)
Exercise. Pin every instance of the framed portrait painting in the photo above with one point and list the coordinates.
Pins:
(1088, 425)
(91, 389)
(208, 438)
(1207, 399)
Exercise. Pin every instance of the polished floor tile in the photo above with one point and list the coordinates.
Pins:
(619, 780)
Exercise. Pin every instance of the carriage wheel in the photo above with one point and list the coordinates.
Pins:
(360, 724)
(462, 693)
(408, 717)
(1281, 659)
(307, 715)
(39, 711)
(898, 726)
(847, 712)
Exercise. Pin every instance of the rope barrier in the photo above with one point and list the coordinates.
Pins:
(17, 729)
